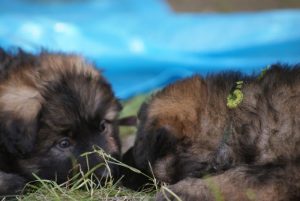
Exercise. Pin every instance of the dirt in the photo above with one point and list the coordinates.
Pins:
(231, 5)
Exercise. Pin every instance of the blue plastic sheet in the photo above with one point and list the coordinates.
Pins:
(143, 45)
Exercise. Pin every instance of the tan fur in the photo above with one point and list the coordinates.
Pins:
(52, 66)
(111, 113)
(21, 91)
(162, 167)
(169, 107)
(19, 94)
(24, 102)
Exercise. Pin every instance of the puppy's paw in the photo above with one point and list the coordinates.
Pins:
(11, 184)
(186, 190)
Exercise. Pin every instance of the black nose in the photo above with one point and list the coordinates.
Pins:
(115, 155)
(110, 171)
(115, 171)
(104, 170)
(131, 179)
(114, 168)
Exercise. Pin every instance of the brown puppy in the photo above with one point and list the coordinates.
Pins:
(53, 108)
(251, 151)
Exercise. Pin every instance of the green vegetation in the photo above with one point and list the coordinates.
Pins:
(82, 187)
(130, 108)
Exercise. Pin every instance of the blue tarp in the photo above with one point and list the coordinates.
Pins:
(142, 45)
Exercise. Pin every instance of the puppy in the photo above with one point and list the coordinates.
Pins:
(242, 131)
(53, 108)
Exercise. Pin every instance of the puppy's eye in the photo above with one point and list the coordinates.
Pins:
(64, 143)
(103, 126)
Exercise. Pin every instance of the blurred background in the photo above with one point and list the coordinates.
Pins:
(142, 45)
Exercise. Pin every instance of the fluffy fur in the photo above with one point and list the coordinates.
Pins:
(53, 108)
(252, 152)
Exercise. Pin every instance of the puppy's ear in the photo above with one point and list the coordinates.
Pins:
(161, 143)
(17, 135)
(153, 145)
(19, 111)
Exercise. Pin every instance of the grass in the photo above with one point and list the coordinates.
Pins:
(49, 191)
(83, 187)
(130, 108)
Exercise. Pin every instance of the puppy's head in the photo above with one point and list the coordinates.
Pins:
(172, 136)
(60, 109)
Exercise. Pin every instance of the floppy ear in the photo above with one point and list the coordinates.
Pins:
(153, 145)
(19, 111)
(17, 135)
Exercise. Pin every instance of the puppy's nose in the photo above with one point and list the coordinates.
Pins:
(111, 171)
(105, 170)
(104, 175)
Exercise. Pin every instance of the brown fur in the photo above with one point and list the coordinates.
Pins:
(46, 100)
(186, 130)
(169, 109)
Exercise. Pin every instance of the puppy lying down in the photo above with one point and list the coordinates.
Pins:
(53, 108)
(226, 136)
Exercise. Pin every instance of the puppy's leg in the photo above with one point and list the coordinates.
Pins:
(11, 184)
(255, 183)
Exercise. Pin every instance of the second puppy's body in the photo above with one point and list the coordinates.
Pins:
(187, 130)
